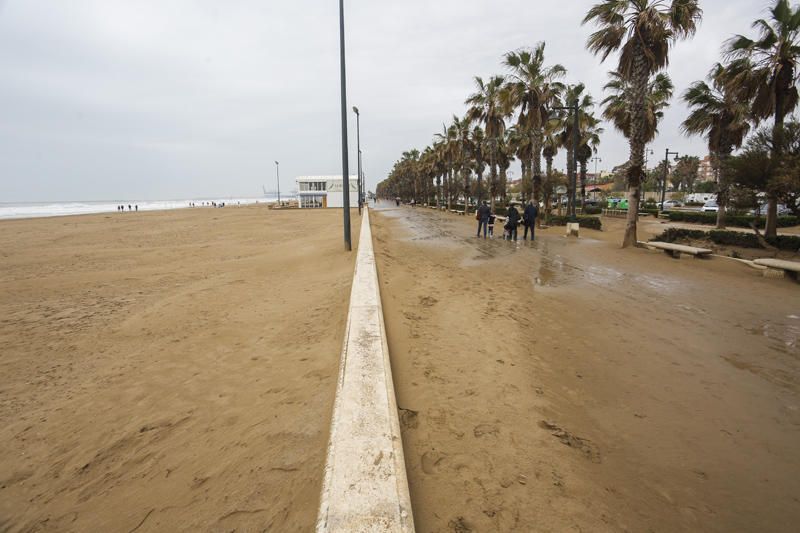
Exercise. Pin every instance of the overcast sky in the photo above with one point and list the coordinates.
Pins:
(161, 99)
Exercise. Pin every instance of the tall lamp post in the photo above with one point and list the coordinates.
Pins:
(358, 144)
(596, 160)
(278, 178)
(345, 166)
(667, 153)
(573, 168)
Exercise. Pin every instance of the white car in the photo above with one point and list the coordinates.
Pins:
(670, 204)
(710, 207)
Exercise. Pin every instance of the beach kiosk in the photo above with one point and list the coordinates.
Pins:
(315, 192)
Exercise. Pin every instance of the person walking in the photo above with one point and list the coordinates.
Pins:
(513, 222)
(529, 219)
(483, 214)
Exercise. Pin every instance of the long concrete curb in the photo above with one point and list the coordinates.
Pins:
(365, 486)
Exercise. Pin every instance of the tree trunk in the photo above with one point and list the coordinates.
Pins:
(548, 190)
(493, 185)
(583, 184)
(536, 162)
(449, 187)
(480, 182)
(722, 190)
(637, 144)
(570, 163)
(465, 172)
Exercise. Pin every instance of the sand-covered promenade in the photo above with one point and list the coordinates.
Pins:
(569, 385)
(169, 371)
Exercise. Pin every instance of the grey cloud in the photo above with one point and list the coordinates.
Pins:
(118, 99)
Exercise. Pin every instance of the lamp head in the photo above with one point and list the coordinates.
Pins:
(355, 110)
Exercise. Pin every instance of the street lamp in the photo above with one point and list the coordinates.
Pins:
(596, 160)
(573, 168)
(358, 144)
(345, 169)
(278, 177)
(667, 153)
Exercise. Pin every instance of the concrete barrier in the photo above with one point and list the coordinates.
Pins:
(365, 486)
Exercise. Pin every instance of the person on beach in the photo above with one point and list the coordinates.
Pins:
(137, 207)
(513, 222)
(483, 214)
(529, 219)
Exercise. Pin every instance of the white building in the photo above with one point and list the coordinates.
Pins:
(325, 191)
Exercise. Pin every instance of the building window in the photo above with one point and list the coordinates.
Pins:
(312, 186)
(310, 201)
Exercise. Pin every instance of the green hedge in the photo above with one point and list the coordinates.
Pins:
(591, 210)
(584, 221)
(739, 221)
(729, 238)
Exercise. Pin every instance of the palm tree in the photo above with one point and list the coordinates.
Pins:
(720, 113)
(589, 140)
(617, 111)
(586, 121)
(478, 148)
(767, 69)
(534, 89)
(522, 146)
(486, 106)
(551, 142)
(449, 151)
(643, 31)
(464, 149)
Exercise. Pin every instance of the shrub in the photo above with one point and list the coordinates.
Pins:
(585, 221)
(739, 221)
(591, 210)
(730, 238)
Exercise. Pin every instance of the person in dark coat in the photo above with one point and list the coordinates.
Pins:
(484, 211)
(513, 222)
(529, 219)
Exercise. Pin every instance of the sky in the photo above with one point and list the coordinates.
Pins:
(155, 99)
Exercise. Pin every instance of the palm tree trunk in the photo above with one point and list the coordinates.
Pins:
(583, 184)
(465, 173)
(449, 178)
(480, 183)
(637, 144)
(548, 190)
(570, 163)
(722, 190)
(536, 163)
(493, 185)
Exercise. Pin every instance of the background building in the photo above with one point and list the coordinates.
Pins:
(705, 172)
(324, 191)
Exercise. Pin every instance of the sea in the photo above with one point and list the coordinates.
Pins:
(54, 209)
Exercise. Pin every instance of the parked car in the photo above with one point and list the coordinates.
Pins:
(762, 210)
(710, 207)
(669, 204)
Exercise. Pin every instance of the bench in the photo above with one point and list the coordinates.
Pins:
(777, 268)
(675, 250)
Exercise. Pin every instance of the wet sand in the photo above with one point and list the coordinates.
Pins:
(573, 386)
(169, 371)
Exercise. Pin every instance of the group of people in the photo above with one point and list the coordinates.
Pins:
(121, 208)
(486, 220)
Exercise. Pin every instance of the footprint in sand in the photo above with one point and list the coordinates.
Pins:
(483, 430)
(432, 461)
(409, 418)
(585, 446)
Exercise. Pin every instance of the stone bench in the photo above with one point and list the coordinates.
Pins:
(675, 250)
(777, 268)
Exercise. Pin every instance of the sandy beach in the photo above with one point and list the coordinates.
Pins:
(573, 386)
(169, 371)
